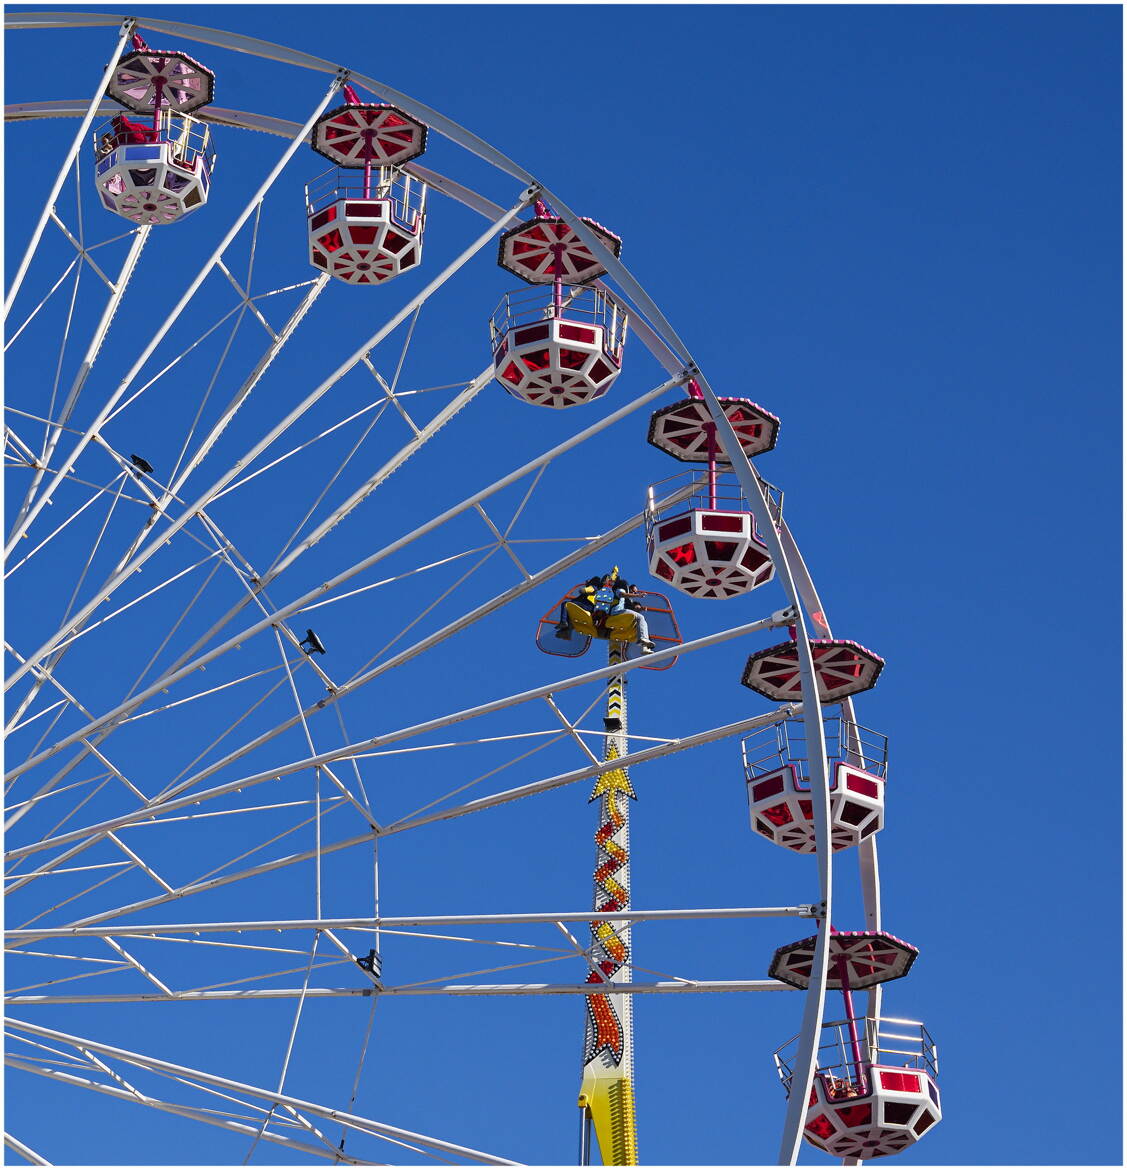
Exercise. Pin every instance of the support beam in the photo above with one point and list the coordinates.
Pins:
(164, 989)
(236, 401)
(666, 987)
(127, 29)
(25, 1152)
(180, 1110)
(151, 930)
(56, 429)
(127, 568)
(392, 465)
(167, 1068)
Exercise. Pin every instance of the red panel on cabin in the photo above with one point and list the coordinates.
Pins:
(576, 333)
(533, 333)
(862, 784)
(900, 1082)
(767, 788)
(721, 522)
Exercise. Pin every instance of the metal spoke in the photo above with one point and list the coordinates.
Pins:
(361, 1124)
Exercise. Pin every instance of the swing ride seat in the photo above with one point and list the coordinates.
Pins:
(583, 625)
(614, 627)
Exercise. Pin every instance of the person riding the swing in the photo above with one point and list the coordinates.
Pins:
(604, 599)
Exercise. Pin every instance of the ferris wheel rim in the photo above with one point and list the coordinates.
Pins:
(677, 358)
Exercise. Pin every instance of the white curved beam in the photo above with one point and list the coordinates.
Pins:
(807, 1055)
(267, 49)
(867, 851)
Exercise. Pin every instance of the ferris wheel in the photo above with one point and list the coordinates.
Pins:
(302, 542)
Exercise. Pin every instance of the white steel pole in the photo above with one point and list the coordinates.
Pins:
(396, 922)
(126, 32)
(180, 1111)
(393, 464)
(240, 396)
(666, 987)
(128, 267)
(25, 1152)
(362, 1124)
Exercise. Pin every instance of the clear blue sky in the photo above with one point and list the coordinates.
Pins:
(899, 229)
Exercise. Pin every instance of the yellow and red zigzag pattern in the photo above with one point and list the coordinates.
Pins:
(607, 1091)
(611, 953)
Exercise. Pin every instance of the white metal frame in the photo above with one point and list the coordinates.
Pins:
(670, 351)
